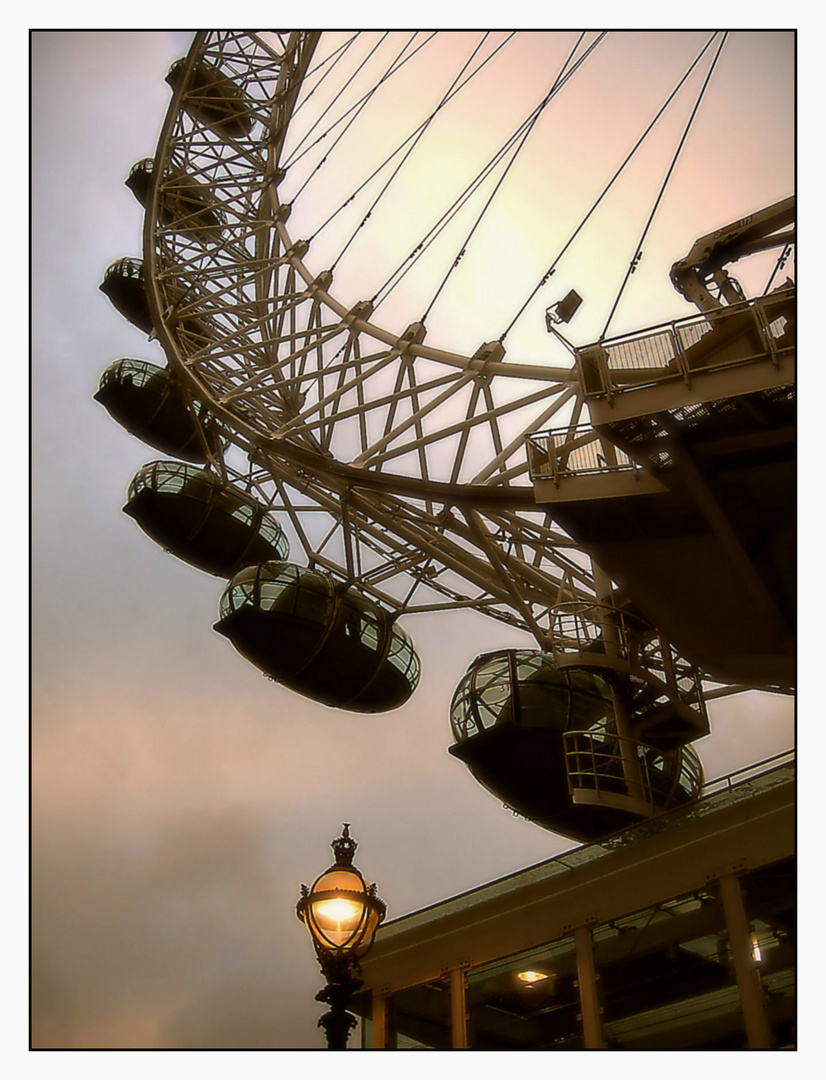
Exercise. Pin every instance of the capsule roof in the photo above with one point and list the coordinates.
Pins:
(526, 687)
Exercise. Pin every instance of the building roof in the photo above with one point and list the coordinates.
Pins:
(736, 827)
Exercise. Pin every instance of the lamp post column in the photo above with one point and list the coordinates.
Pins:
(337, 1022)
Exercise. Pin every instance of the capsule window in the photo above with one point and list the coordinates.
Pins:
(158, 381)
(493, 697)
(268, 528)
(271, 593)
(285, 589)
(144, 166)
(313, 601)
(399, 655)
(144, 478)
(171, 483)
(527, 688)
(131, 268)
(415, 670)
(402, 655)
(171, 479)
(243, 512)
(461, 713)
(369, 633)
(527, 666)
(360, 622)
(136, 373)
(242, 593)
(492, 691)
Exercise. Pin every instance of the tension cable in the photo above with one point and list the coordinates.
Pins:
(413, 135)
(552, 268)
(557, 85)
(638, 255)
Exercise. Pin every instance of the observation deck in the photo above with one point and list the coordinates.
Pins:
(682, 488)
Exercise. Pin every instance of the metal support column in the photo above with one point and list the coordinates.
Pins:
(614, 648)
(758, 1032)
(587, 978)
(379, 1017)
(458, 1010)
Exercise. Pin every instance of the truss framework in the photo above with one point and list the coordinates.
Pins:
(400, 468)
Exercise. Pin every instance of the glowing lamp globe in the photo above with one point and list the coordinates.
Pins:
(341, 911)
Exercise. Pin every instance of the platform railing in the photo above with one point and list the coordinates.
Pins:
(597, 768)
(748, 772)
(597, 765)
(580, 626)
(575, 450)
(583, 627)
(623, 364)
(594, 762)
(659, 354)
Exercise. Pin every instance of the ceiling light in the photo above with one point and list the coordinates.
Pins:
(531, 976)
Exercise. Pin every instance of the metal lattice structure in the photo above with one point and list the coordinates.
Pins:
(407, 472)
(368, 430)
(398, 477)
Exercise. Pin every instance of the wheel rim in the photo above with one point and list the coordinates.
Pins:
(365, 440)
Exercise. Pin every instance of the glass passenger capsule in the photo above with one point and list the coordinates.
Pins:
(146, 400)
(123, 284)
(184, 204)
(202, 520)
(339, 648)
(213, 99)
(534, 734)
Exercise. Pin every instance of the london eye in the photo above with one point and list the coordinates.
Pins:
(368, 425)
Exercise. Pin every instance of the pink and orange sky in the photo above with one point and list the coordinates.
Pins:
(178, 798)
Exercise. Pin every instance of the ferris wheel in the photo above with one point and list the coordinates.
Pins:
(332, 453)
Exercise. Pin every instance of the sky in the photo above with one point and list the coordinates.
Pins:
(179, 799)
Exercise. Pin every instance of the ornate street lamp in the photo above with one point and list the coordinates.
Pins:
(342, 913)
